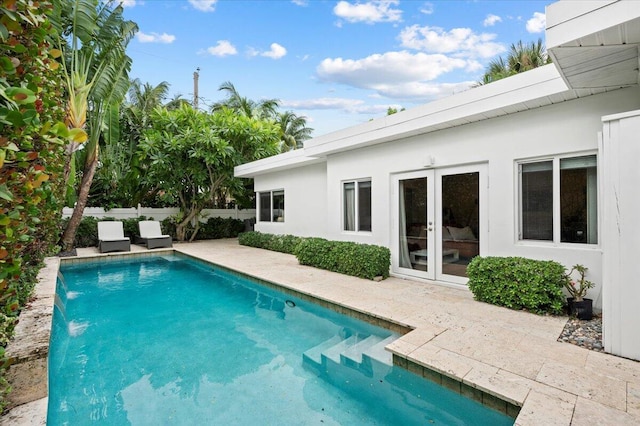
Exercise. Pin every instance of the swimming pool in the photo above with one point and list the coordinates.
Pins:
(169, 340)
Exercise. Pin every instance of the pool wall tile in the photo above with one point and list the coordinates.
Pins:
(451, 384)
(457, 386)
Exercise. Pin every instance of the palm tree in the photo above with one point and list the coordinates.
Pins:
(265, 109)
(294, 130)
(117, 179)
(176, 102)
(97, 80)
(520, 58)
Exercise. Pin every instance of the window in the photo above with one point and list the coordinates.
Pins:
(271, 206)
(357, 205)
(558, 200)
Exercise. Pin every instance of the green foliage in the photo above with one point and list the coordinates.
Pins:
(191, 155)
(579, 287)
(218, 227)
(359, 260)
(273, 242)
(214, 228)
(32, 137)
(518, 283)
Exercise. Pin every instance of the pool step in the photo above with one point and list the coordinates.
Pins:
(365, 354)
(314, 355)
(353, 354)
(378, 352)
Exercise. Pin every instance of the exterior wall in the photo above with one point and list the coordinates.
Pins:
(621, 235)
(305, 200)
(570, 127)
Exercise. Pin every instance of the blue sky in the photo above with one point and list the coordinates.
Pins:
(339, 63)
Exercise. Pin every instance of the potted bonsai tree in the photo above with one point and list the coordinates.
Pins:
(578, 304)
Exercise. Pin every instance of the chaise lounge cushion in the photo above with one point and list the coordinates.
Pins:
(151, 235)
(111, 237)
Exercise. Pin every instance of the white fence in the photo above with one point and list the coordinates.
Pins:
(159, 214)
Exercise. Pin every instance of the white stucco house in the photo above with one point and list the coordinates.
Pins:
(544, 164)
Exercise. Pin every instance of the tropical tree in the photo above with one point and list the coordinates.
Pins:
(96, 68)
(191, 155)
(520, 58)
(264, 109)
(293, 130)
(176, 102)
(117, 179)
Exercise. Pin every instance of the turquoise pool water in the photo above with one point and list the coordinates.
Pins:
(172, 341)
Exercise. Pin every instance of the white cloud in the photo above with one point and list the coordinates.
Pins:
(400, 66)
(277, 51)
(538, 23)
(127, 3)
(459, 41)
(348, 105)
(427, 8)
(222, 48)
(300, 2)
(204, 5)
(423, 90)
(394, 74)
(491, 20)
(155, 38)
(369, 12)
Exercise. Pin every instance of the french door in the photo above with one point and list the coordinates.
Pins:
(438, 222)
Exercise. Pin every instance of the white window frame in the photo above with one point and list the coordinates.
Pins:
(271, 209)
(557, 220)
(356, 211)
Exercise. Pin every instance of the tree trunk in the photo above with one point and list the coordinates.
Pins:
(69, 235)
(181, 228)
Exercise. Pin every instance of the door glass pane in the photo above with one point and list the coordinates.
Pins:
(460, 222)
(537, 201)
(265, 206)
(350, 206)
(413, 224)
(364, 206)
(578, 200)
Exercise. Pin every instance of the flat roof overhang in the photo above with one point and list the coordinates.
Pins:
(594, 44)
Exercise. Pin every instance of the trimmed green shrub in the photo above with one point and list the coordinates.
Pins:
(273, 242)
(359, 260)
(518, 283)
(345, 257)
(218, 227)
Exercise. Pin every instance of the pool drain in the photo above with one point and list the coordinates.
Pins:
(290, 303)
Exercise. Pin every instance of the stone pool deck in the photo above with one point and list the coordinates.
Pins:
(483, 351)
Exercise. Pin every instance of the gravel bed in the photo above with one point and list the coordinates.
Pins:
(587, 334)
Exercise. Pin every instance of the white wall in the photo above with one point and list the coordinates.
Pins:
(305, 202)
(567, 128)
(621, 231)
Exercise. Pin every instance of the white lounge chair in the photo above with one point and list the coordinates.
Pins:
(111, 237)
(151, 235)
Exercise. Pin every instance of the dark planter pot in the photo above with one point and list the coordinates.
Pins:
(582, 310)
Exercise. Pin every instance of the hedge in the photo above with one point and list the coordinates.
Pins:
(214, 228)
(280, 243)
(518, 283)
(359, 260)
